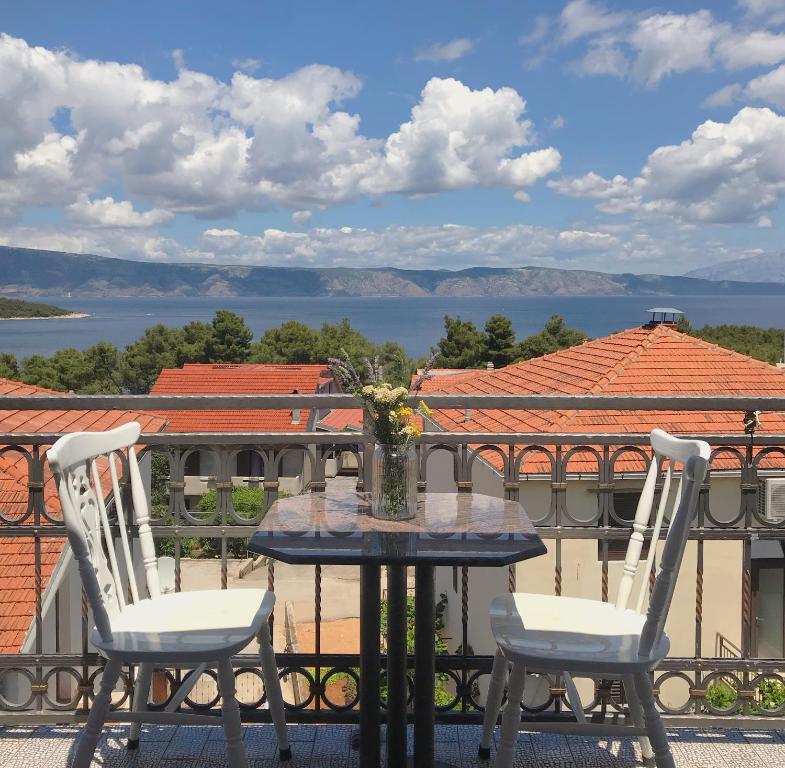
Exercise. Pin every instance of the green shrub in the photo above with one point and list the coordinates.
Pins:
(441, 696)
(770, 694)
(721, 695)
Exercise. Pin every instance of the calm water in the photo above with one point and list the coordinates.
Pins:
(416, 323)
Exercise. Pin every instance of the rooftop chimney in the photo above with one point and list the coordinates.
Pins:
(664, 316)
(489, 366)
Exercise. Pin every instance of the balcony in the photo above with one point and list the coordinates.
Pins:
(720, 691)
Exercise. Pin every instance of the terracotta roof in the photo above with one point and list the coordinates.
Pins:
(17, 554)
(343, 420)
(239, 379)
(639, 361)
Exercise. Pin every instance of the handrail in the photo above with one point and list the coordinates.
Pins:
(430, 438)
(441, 401)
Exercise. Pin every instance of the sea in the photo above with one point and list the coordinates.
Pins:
(415, 323)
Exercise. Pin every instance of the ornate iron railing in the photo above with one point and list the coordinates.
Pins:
(30, 681)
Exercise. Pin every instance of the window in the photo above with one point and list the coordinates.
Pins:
(625, 504)
(249, 464)
(193, 465)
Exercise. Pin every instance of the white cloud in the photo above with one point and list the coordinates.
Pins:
(670, 43)
(723, 96)
(604, 57)
(769, 87)
(583, 18)
(741, 50)
(108, 212)
(771, 11)
(454, 49)
(458, 138)
(249, 65)
(542, 25)
(581, 239)
(649, 48)
(301, 217)
(620, 247)
(200, 146)
(730, 172)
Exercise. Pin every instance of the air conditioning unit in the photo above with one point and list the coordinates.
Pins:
(773, 501)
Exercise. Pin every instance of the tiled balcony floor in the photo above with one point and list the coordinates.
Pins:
(328, 746)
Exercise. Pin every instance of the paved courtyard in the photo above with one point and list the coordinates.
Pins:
(328, 746)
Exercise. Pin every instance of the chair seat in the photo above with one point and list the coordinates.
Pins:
(570, 634)
(188, 626)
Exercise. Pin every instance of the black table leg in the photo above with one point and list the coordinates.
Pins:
(424, 666)
(370, 666)
(397, 688)
(424, 669)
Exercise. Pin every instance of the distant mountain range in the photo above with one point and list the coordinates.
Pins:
(27, 272)
(767, 266)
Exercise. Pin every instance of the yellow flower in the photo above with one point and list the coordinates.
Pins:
(424, 409)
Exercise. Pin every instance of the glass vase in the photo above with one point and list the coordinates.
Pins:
(394, 482)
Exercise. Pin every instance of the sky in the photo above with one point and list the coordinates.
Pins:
(619, 136)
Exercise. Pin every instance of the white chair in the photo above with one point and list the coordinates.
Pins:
(183, 629)
(565, 635)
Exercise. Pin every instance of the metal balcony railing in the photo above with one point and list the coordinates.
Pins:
(55, 680)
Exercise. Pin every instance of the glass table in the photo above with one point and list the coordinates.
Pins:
(453, 529)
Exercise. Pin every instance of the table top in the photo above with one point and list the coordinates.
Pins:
(449, 529)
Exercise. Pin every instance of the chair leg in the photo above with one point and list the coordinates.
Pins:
(235, 749)
(636, 710)
(141, 698)
(272, 685)
(493, 703)
(511, 718)
(574, 698)
(663, 758)
(101, 703)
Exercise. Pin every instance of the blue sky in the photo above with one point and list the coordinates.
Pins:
(621, 136)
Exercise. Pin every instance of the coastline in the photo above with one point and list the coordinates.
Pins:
(69, 316)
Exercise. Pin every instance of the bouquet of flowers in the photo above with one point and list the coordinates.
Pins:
(389, 417)
(394, 425)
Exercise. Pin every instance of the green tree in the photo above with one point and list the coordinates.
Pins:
(333, 337)
(9, 366)
(145, 358)
(461, 346)
(292, 342)
(761, 343)
(554, 336)
(194, 343)
(231, 338)
(69, 365)
(41, 371)
(101, 370)
(397, 365)
(499, 347)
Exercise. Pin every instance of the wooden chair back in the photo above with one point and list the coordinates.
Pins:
(671, 454)
(687, 461)
(80, 462)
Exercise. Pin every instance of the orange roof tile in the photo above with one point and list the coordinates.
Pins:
(342, 420)
(17, 554)
(641, 361)
(239, 379)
